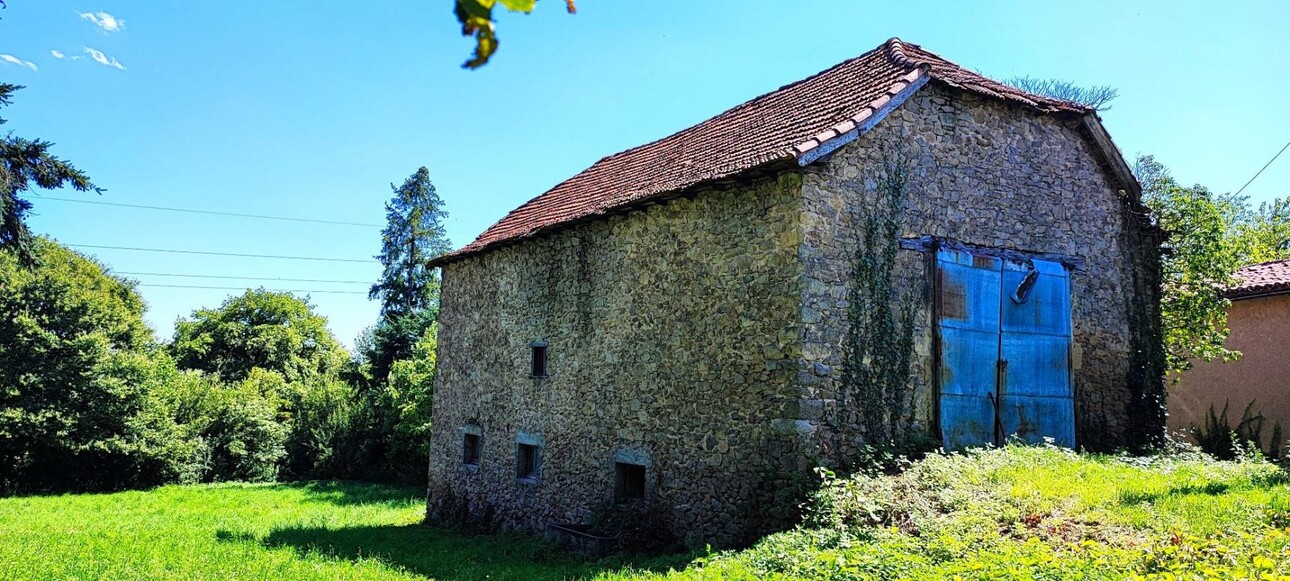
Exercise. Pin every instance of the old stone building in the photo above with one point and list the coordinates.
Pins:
(896, 249)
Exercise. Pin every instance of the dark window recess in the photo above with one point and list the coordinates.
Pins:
(470, 450)
(527, 462)
(629, 483)
(539, 359)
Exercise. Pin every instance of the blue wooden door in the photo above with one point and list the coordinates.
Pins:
(1036, 395)
(968, 312)
(1005, 338)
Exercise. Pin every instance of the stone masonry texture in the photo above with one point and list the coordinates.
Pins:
(705, 337)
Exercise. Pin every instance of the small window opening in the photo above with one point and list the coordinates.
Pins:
(470, 450)
(527, 463)
(629, 483)
(539, 359)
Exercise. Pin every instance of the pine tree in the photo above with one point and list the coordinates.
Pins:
(25, 163)
(414, 236)
(409, 288)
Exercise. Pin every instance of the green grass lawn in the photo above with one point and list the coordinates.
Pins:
(1017, 513)
(278, 532)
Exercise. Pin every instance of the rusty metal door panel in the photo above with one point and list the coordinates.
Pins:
(1035, 386)
(968, 314)
(1045, 308)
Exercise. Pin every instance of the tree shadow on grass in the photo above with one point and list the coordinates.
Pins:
(1263, 481)
(352, 493)
(1209, 489)
(443, 553)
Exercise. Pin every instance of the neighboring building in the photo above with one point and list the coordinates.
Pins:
(896, 249)
(1259, 320)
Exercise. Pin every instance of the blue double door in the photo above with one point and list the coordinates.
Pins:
(1005, 350)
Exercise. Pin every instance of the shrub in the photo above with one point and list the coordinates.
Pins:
(76, 360)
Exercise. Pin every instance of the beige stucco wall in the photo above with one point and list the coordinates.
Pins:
(1260, 330)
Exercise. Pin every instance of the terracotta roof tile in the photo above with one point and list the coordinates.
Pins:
(783, 124)
(1260, 279)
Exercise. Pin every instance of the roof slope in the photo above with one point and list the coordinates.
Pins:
(1262, 279)
(790, 123)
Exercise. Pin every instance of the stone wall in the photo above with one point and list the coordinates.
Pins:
(731, 339)
(985, 173)
(672, 336)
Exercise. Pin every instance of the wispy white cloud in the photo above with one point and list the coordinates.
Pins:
(103, 59)
(104, 20)
(13, 60)
(58, 54)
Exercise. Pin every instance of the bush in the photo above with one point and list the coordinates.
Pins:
(76, 364)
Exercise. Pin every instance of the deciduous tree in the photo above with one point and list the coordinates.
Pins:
(76, 364)
(273, 331)
(1199, 259)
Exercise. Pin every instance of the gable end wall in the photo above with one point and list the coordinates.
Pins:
(989, 174)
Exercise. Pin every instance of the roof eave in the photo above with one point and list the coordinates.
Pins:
(1272, 292)
(835, 137)
(1114, 158)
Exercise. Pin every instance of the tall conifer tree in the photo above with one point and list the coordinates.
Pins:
(414, 236)
(409, 288)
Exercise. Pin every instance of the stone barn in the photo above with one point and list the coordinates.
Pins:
(893, 251)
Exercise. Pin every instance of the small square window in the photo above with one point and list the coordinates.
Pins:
(629, 484)
(539, 359)
(527, 462)
(471, 450)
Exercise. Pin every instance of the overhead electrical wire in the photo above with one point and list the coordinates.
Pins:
(268, 278)
(173, 251)
(1265, 166)
(211, 212)
(278, 290)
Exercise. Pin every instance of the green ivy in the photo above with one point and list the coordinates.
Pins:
(880, 341)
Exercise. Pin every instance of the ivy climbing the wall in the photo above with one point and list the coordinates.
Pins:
(880, 342)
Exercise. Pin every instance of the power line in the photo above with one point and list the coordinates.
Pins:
(171, 251)
(211, 212)
(243, 277)
(1265, 166)
(276, 290)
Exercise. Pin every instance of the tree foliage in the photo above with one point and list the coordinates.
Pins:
(414, 235)
(25, 163)
(1097, 97)
(387, 342)
(1264, 232)
(476, 18)
(409, 288)
(1200, 258)
(411, 388)
(75, 367)
(273, 331)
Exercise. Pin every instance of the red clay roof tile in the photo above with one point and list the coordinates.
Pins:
(783, 124)
(1260, 279)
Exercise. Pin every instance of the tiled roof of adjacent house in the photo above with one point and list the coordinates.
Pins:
(789, 123)
(1261, 279)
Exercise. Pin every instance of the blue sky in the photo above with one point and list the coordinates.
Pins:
(311, 109)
